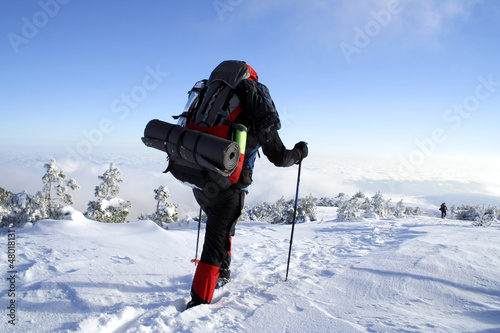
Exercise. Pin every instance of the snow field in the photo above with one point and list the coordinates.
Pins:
(415, 274)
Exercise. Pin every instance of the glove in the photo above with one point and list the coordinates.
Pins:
(301, 149)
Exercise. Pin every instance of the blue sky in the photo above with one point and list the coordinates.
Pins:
(390, 88)
(409, 80)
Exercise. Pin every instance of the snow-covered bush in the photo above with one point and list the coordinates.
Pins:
(4, 210)
(453, 211)
(326, 202)
(108, 208)
(23, 208)
(400, 209)
(496, 212)
(468, 213)
(108, 211)
(388, 208)
(349, 210)
(308, 205)
(366, 206)
(244, 216)
(260, 212)
(3, 196)
(477, 214)
(378, 206)
(359, 205)
(359, 195)
(411, 211)
(282, 211)
(340, 198)
(485, 220)
(166, 212)
(306, 208)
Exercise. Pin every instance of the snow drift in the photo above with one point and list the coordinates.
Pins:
(417, 274)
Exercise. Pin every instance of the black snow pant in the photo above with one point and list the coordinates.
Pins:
(223, 210)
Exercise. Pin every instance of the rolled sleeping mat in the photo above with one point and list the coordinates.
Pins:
(202, 149)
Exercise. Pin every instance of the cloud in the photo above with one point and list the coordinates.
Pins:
(324, 174)
(432, 17)
(328, 23)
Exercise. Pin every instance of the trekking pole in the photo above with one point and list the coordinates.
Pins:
(293, 219)
(195, 260)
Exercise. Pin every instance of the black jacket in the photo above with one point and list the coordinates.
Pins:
(262, 120)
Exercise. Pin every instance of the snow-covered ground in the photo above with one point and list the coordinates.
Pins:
(415, 274)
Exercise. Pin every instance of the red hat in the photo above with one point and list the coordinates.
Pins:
(253, 74)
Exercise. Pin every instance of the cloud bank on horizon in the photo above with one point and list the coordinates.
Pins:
(323, 175)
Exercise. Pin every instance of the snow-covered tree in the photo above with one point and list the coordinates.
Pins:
(388, 209)
(23, 208)
(109, 188)
(108, 208)
(378, 206)
(367, 206)
(400, 209)
(55, 179)
(166, 212)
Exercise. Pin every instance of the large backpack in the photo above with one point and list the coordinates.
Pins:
(214, 108)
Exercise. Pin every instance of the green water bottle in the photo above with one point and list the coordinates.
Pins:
(241, 137)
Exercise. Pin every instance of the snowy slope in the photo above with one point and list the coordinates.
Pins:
(417, 274)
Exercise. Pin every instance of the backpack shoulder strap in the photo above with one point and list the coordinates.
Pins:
(211, 111)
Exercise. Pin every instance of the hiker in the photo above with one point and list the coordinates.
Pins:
(223, 207)
(443, 210)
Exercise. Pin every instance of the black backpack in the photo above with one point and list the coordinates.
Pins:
(214, 108)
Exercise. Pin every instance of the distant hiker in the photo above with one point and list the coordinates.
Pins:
(247, 103)
(443, 210)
